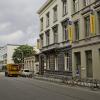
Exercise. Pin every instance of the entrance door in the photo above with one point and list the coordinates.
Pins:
(78, 63)
(89, 64)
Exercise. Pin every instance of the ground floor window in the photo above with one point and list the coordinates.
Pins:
(52, 62)
(61, 62)
(89, 69)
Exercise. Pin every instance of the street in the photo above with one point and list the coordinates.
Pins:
(31, 89)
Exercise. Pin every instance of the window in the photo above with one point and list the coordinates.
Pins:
(99, 21)
(87, 26)
(52, 62)
(64, 7)
(55, 33)
(55, 14)
(41, 24)
(41, 39)
(68, 62)
(65, 33)
(76, 24)
(87, 2)
(47, 38)
(61, 62)
(76, 5)
(89, 64)
(47, 19)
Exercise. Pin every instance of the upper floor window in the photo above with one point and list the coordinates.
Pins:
(55, 14)
(87, 26)
(41, 40)
(47, 38)
(76, 5)
(76, 25)
(99, 21)
(41, 22)
(65, 32)
(87, 2)
(55, 33)
(65, 10)
(47, 19)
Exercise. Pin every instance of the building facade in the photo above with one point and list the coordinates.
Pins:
(86, 38)
(56, 53)
(32, 62)
(6, 53)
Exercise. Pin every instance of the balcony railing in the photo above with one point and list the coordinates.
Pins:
(50, 47)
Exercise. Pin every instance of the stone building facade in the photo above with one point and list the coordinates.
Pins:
(59, 55)
(56, 53)
(86, 38)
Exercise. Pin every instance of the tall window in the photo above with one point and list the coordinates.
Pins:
(52, 62)
(41, 24)
(55, 32)
(65, 32)
(55, 14)
(67, 61)
(61, 62)
(87, 26)
(76, 5)
(47, 38)
(64, 7)
(89, 64)
(87, 2)
(41, 39)
(47, 19)
(99, 21)
(76, 24)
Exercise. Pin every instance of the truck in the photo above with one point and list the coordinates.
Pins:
(12, 70)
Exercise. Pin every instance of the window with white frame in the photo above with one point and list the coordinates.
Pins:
(47, 38)
(76, 26)
(41, 23)
(67, 62)
(76, 5)
(65, 8)
(41, 39)
(55, 33)
(55, 13)
(65, 32)
(87, 26)
(87, 2)
(47, 19)
(99, 21)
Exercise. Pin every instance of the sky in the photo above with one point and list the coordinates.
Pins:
(19, 21)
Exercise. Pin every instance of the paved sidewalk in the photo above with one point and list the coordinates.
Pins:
(49, 79)
(69, 83)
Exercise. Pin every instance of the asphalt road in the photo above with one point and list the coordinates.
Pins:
(32, 89)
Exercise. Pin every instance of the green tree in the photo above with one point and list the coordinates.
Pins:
(21, 52)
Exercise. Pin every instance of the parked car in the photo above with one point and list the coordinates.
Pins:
(26, 73)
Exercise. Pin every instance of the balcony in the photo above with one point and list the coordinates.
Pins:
(50, 47)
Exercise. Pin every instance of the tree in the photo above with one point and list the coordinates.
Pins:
(21, 52)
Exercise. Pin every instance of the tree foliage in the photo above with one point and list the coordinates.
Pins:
(21, 52)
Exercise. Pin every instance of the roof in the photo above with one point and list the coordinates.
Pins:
(44, 6)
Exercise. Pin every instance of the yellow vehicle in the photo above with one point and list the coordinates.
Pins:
(12, 70)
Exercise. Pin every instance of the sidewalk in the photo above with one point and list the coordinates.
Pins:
(48, 79)
(71, 82)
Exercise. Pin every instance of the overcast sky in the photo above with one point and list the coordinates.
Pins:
(19, 22)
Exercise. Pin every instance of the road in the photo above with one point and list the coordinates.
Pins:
(32, 89)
